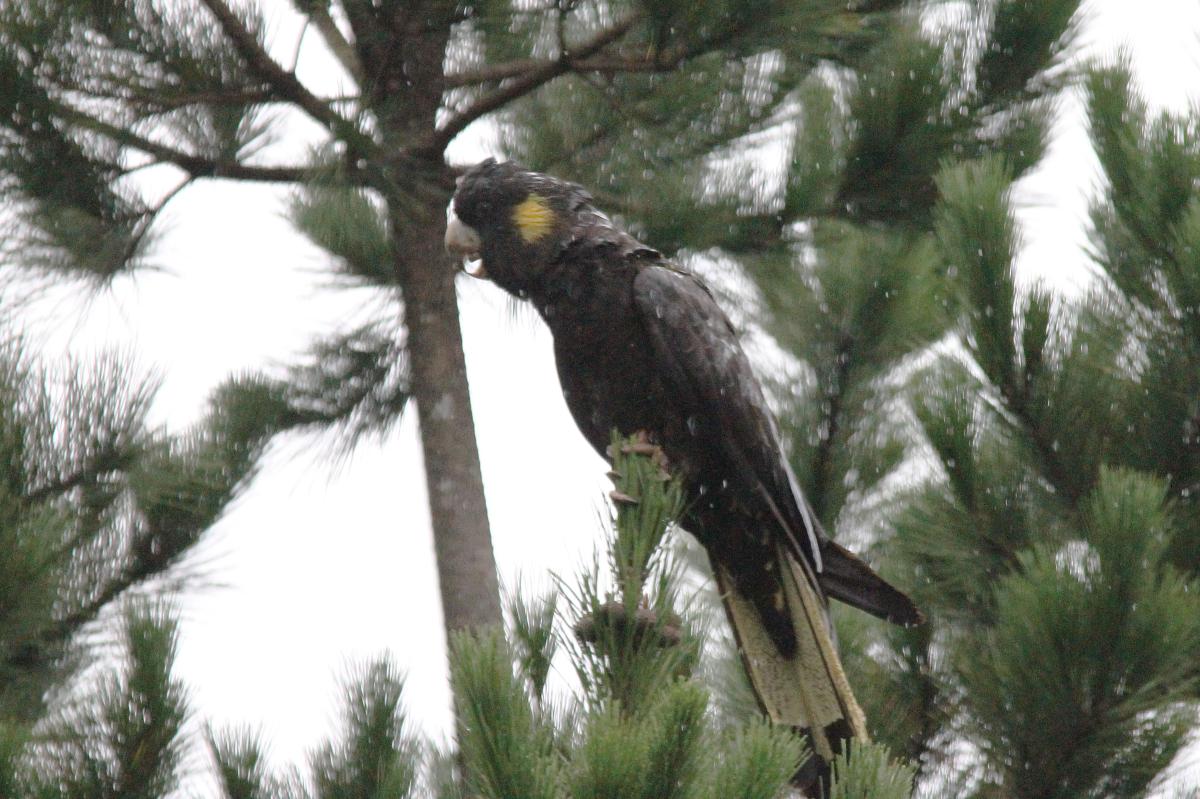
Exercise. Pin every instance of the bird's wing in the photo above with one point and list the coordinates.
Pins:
(785, 642)
(702, 360)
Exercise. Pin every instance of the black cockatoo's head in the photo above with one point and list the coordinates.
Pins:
(512, 221)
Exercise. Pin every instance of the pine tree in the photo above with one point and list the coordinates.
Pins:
(1023, 462)
(1058, 542)
(1051, 534)
(95, 93)
(639, 725)
(97, 509)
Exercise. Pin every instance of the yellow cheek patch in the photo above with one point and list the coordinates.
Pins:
(533, 217)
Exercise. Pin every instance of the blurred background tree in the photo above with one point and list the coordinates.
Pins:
(1024, 461)
(98, 509)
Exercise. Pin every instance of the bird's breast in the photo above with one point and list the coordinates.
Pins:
(606, 368)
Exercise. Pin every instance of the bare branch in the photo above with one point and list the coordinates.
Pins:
(341, 48)
(525, 82)
(195, 165)
(156, 99)
(204, 168)
(598, 64)
(611, 64)
(494, 73)
(283, 82)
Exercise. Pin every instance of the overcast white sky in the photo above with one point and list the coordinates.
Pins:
(322, 565)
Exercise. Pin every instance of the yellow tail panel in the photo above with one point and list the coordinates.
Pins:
(809, 689)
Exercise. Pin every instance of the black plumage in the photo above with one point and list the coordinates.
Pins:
(642, 346)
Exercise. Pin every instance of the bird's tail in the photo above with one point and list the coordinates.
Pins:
(848, 579)
(806, 688)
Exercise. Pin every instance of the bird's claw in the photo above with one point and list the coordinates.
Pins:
(621, 498)
(640, 443)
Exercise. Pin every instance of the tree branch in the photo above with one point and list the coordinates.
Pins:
(157, 100)
(834, 395)
(342, 50)
(195, 165)
(65, 627)
(283, 82)
(540, 72)
(493, 73)
(60, 485)
(599, 64)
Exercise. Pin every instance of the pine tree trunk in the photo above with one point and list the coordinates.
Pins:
(462, 540)
(407, 109)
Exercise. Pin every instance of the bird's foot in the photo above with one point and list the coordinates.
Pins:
(621, 498)
(642, 443)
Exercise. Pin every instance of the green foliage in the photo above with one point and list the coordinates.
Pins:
(1145, 236)
(646, 141)
(93, 502)
(900, 128)
(644, 725)
(867, 135)
(82, 81)
(869, 773)
(125, 740)
(818, 157)
(868, 303)
(343, 220)
(373, 754)
(1048, 545)
(532, 634)
(647, 503)
(507, 747)
(976, 232)
(1151, 167)
(632, 641)
(376, 757)
(356, 382)
(656, 755)
(966, 532)
(242, 772)
(1184, 280)
(97, 506)
(70, 214)
(1027, 38)
(13, 741)
(1094, 644)
(755, 761)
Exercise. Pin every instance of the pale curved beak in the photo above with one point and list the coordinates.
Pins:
(461, 239)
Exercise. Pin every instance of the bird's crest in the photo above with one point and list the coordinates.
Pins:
(533, 217)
